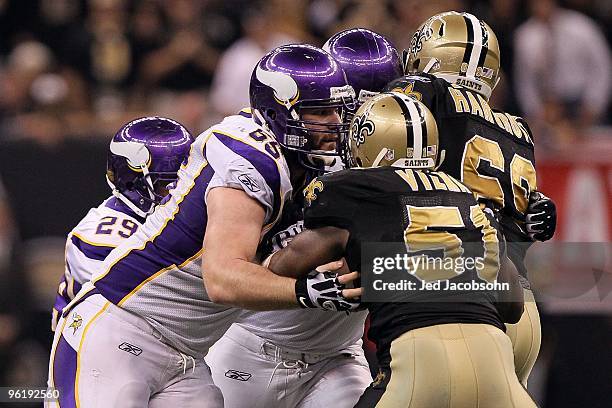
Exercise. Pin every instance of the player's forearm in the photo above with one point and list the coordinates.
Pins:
(287, 262)
(247, 285)
(308, 250)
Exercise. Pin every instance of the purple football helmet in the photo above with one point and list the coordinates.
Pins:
(369, 60)
(292, 78)
(145, 156)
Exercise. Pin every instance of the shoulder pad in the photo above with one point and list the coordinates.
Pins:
(329, 200)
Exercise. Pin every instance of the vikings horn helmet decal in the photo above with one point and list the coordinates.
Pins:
(284, 87)
(137, 155)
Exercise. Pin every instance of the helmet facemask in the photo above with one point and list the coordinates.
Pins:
(309, 136)
(305, 136)
(152, 187)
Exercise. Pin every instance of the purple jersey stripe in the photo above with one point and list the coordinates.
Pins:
(64, 372)
(245, 114)
(179, 240)
(97, 252)
(60, 302)
(264, 164)
(63, 298)
(77, 287)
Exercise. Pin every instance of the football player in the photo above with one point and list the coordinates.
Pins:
(435, 348)
(138, 332)
(135, 195)
(299, 358)
(452, 67)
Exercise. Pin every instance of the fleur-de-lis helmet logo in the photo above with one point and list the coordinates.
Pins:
(362, 127)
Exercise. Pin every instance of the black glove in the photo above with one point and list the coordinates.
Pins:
(541, 218)
(322, 290)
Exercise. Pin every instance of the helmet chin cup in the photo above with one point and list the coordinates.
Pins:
(326, 160)
(317, 162)
(322, 162)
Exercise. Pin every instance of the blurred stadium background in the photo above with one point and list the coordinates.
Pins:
(73, 71)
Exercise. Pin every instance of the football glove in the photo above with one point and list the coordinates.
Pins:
(541, 218)
(323, 290)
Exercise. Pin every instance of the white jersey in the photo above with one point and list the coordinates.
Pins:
(89, 243)
(311, 331)
(156, 273)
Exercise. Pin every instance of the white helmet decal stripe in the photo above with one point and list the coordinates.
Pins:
(137, 154)
(326, 47)
(477, 48)
(285, 88)
(417, 127)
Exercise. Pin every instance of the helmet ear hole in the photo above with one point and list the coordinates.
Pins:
(415, 65)
(271, 113)
(358, 162)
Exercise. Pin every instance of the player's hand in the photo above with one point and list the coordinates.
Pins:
(541, 218)
(327, 291)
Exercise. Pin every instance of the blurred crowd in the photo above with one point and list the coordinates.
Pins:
(73, 71)
(83, 67)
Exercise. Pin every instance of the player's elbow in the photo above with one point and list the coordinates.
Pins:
(217, 287)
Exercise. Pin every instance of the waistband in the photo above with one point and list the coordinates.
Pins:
(260, 345)
(128, 317)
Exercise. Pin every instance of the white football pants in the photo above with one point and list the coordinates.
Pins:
(104, 356)
(252, 372)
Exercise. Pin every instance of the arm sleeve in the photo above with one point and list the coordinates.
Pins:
(244, 167)
(86, 250)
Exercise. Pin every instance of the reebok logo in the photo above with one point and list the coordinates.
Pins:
(249, 182)
(130, 348)
(237, 375)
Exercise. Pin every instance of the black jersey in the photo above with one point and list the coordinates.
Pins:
(490, 151)
(411, 207)
(290, 224)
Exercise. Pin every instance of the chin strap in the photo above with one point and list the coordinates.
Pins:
(147, 178)
(127, 202)
(430, 64)
(441, 159)
(380, 157)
